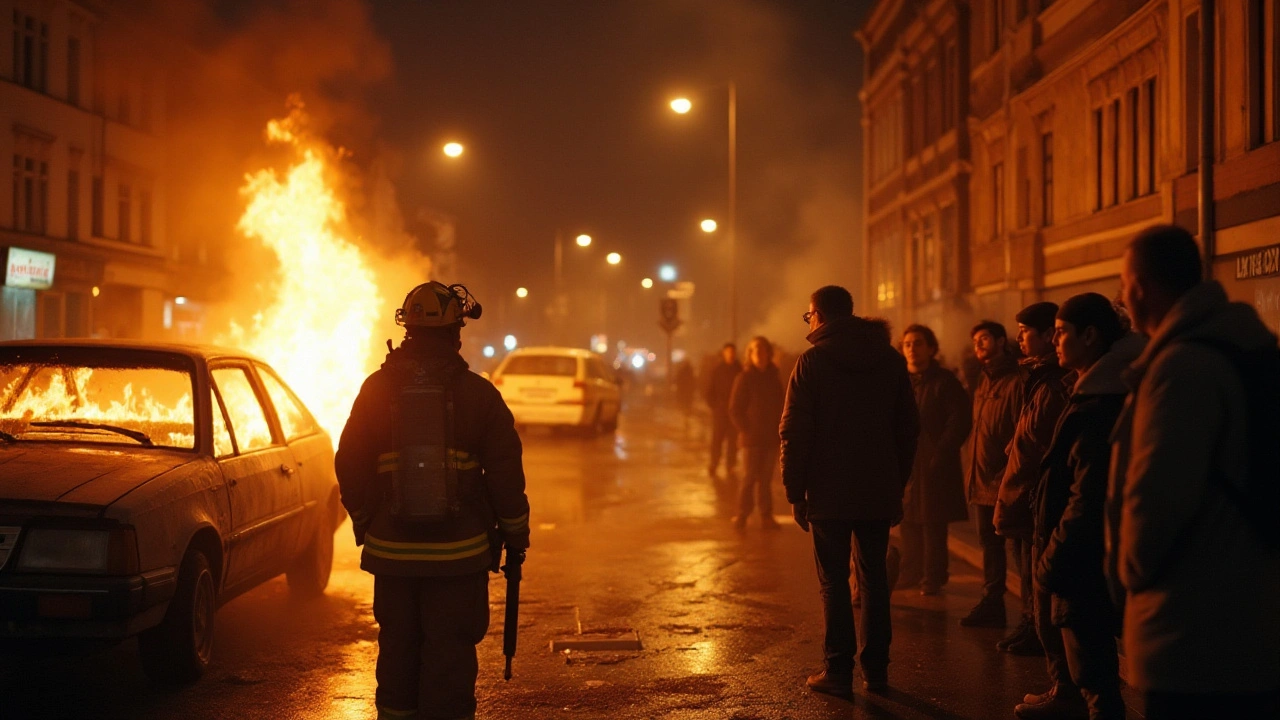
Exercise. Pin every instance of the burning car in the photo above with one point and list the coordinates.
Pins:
(143, 485)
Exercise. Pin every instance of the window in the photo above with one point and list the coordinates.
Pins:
(948, 87)
(997, 201)
(144, 217)
(1151, 135)
(123, 215)
(1024, 189)
(222, 444)
(77, 324)
(97, 205)
(295, 421)
(30, 51)
(997, 24)
(929, 282)
(1255, 48)
(73, 70)
(1114, 129)
(30, 193)
(1046, 173)
(556, 365)
(1191, 89)
(248, 420)
(51, 315)
(1135, 142)
(73, 204)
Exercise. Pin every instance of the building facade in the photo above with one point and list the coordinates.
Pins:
(82, 128)
(1077, 125)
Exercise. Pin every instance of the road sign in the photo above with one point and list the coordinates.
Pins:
(669, 315)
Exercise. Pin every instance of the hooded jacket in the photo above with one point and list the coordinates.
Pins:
(1046, 398)
(850, 424)
(996, 406)
(1202, 591)
(755, 406)
(1072, 491)
(486, 453)
(936, 491)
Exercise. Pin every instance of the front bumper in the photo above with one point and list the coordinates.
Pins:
(547, 414)
(37, 606)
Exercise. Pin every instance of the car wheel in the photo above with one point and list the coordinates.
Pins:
(309, 574)
(177, 651)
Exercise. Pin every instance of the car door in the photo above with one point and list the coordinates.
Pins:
(262, 480)
(311, 449)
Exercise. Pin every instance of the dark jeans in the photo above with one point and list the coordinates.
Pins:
(995, 565)
(428, 629)
(1237, 706)
(724, 439)
(760, 462)
(833, 543)
(1055, 654)
(924, 553)
(1095, 668)
(1022, 556)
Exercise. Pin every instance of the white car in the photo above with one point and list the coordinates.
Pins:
(560, 386)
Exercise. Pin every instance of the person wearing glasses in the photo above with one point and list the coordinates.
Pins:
(849, 430)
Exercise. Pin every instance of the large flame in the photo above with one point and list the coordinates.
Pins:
(317, 330)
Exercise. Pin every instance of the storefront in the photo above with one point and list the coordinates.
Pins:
(27, 272)
(1253, 276)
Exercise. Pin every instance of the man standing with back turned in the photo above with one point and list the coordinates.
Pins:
(849, 430)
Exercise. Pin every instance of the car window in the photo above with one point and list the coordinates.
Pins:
(295, 421)
(222, 446)
(248, 419)
(594, 370)
(541, 365)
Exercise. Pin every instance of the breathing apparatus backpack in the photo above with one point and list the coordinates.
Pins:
(424, 483)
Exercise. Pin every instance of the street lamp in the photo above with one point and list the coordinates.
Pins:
(613, 258)
(708, 225)
(522, 292)
(583, 240)
(453, 149)
(667, 273)
(682, 106)
(646, 283)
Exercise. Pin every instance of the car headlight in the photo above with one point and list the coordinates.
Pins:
(112, 551)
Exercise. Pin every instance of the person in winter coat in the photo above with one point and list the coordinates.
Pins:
(849, 430)
(1075, 617)
(724, 439)
(1201, 627)
(1045, 396)
(755, 407)
(996, 406)
(935, 493)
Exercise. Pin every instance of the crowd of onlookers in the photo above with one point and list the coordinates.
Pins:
(1125, 453)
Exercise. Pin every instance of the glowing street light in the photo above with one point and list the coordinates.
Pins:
(522, 292)
(489, 351)
(583, 240)
(667, 273)
(613, 258)
(509, 342)
(646, 283)
(681, 105)
(708, 225)
(453, 149)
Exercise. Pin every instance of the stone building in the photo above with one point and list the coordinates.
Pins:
(1076, 125)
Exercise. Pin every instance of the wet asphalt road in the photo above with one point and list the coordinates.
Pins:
(628, 534)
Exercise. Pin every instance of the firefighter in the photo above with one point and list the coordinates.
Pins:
(430, 470)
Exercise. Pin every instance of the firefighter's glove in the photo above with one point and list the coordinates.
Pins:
(800, 511)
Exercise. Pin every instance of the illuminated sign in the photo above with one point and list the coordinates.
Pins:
(1259, 263)
(29, 269)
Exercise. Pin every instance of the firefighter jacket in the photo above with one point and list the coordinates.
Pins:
(486, 453)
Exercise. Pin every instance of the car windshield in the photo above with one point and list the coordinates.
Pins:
(93, 402)
(541, 365)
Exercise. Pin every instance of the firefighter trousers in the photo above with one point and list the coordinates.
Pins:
(428, 629)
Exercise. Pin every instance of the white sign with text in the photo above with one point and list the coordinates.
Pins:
(29, 269)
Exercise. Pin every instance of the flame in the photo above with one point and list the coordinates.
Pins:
(317, 331)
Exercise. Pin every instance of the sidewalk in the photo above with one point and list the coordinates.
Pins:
(962, 541)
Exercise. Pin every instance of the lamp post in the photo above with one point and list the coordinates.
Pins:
(682, 106)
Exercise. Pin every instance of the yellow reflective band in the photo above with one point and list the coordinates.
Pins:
(514, 524)
(387, 462)
(461, 460)
(458, 550)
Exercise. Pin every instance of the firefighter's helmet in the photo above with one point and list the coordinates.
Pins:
(435, 304)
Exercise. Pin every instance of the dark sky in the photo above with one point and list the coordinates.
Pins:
(562, 105)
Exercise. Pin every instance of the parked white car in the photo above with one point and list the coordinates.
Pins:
(560, 387)
(142, 485)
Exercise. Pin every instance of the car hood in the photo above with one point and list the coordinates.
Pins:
(93, 476)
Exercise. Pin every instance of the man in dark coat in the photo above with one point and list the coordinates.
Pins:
(849, 432)
(996, 406)
(1045, 397)
(430, 588)
(719, 389)
(935, 494)
(755, 407)
(1069, 517)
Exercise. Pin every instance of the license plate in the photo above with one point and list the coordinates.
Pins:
(8, 539)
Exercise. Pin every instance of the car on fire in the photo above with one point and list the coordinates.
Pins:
(560, 387)
(143, 485)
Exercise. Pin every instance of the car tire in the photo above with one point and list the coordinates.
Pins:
(177, 651)
(309, 574)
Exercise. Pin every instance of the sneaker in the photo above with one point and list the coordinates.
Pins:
(1018, 634)
(1060, 706)
(829, 683)
(987, 613)
(1046, 696)
(876, 682)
